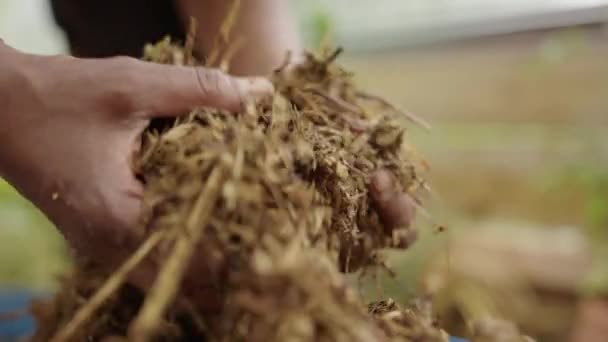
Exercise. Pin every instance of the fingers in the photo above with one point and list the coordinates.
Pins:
(394, 207)
(158, 90)
(591, 321)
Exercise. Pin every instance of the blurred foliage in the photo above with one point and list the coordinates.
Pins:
(593, 181)
(321, 28)
(316, 22)
(32, 252)
(561, 46)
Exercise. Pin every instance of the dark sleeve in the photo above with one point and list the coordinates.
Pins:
(103, 28)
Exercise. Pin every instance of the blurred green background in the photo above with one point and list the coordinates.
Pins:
(516, 92)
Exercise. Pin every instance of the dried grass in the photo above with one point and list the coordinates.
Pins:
(259, 213)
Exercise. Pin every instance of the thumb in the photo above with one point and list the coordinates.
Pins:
(395, 207)
(158, 90)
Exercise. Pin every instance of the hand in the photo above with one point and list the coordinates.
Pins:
(70, 126)
(395, 207)
(591, 323)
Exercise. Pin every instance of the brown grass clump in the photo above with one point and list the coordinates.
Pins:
(252, 218)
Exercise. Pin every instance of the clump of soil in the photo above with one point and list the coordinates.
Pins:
(253, 218)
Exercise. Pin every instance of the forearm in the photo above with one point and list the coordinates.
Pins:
(268, 27)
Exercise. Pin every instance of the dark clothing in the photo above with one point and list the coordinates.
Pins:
(103, 28)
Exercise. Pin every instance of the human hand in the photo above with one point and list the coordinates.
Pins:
(395, 207)
(70, 127)
(591, 323)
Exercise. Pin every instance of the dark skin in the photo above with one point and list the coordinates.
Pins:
(70, 126)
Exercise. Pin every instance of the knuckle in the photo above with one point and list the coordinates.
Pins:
(214, 82)
(122, 61)
(208, 80)
(122, 79)
(119, 99)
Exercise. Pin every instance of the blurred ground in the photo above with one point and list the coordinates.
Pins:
(519, 126)
(32, 253)
(514, 117)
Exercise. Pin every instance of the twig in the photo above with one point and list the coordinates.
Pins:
(224, 33)
(189, 46)
(231, 50)
(356, 124)
(337, 102)
(165, 287)
(409, 115)
(332, 57)
(110, 286)
(285, 63)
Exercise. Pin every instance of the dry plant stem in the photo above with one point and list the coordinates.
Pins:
(341, 104)
(285, 62)
(108, 288)
(224, 35)
(332, 57)
(189, 46)
(231, 50)
(165, 287)
(409, 115)
(415, 119)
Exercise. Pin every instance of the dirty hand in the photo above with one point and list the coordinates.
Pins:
(395, 207)
(70, 126)
(591, 323)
